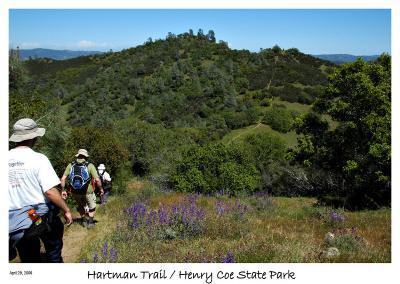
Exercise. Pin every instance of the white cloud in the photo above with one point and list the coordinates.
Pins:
(86, 43)
(29, 45)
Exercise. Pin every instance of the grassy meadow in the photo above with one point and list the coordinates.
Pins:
(290, 138)
(147, 225)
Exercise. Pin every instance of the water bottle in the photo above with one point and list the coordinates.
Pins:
(35, 217)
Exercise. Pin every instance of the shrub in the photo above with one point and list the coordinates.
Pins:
(235, 120)
(214, 168)
(291, 93)
(120, 180)
(358, 150)
(152, 148)
(105, 148)
(267, 151)
(280, 119)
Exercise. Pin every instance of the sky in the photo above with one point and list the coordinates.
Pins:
(312, 31)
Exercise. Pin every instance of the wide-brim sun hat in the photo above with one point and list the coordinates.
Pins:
(26, 129)
(82, 152)
(101, 167)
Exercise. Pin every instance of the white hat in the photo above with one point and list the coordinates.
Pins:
(101, 167)
(82, 152)
(26, 129)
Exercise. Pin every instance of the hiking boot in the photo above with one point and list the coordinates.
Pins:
(90, 225)
(84, 222)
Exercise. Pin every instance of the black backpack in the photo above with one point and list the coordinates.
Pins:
(106, 184)
(79, 177)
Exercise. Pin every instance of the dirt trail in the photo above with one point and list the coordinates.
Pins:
(76, 236)
(244, 132)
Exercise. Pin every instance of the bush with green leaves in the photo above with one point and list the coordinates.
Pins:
(358, 151)
(216, 168)
(104, 146)
(152, 148)
(267, 151)
(279, 118)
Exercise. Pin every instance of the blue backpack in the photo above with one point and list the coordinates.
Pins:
(79, 177)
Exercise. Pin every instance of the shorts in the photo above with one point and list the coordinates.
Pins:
(83, 200)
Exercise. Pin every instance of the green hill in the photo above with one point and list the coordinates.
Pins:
(153, 105)
(195, 135)
(182, 81)
(147, 104)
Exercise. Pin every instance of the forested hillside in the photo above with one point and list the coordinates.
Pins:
(170, 109)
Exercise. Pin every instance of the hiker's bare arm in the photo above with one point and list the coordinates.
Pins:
(99, 185)
(63, 192)
(54, 196)
(63, 182)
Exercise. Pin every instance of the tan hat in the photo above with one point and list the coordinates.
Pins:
(26, 129)
(82, 152)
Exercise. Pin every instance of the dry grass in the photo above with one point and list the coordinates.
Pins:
(290, 230)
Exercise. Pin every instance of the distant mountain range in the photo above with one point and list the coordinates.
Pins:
(343, 58)
(68, 54)
(24, 54)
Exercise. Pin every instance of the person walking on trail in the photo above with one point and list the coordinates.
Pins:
(81, 174)
(34, 200)
(105, 181)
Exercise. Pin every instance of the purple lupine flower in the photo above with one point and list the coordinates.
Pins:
(336, 217)
(192, 209)
(200, 214)
(162, 216)
(137, 211)
(113, 255)
(261, 194)
(241, 208)
(104, 250)
(229, 258)
(151, 218)
(84, 260)
(184, 219)
(135, 221)
(186, 215)
(192, 198)
(219, 205)
(95, 257)
(148, 220)
(174, 209)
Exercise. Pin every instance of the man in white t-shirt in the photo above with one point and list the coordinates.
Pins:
(105, 181)
(32, 186)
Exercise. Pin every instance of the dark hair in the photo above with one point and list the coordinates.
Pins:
(28, 142)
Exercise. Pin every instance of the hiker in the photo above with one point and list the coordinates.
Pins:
(81, 175)
(105, 181)
(34, 200)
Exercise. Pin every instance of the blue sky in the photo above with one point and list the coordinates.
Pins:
(358, 32)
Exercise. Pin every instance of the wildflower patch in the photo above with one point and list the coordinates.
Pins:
(184, 219)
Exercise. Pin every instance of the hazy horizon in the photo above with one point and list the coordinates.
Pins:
(312, 31)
